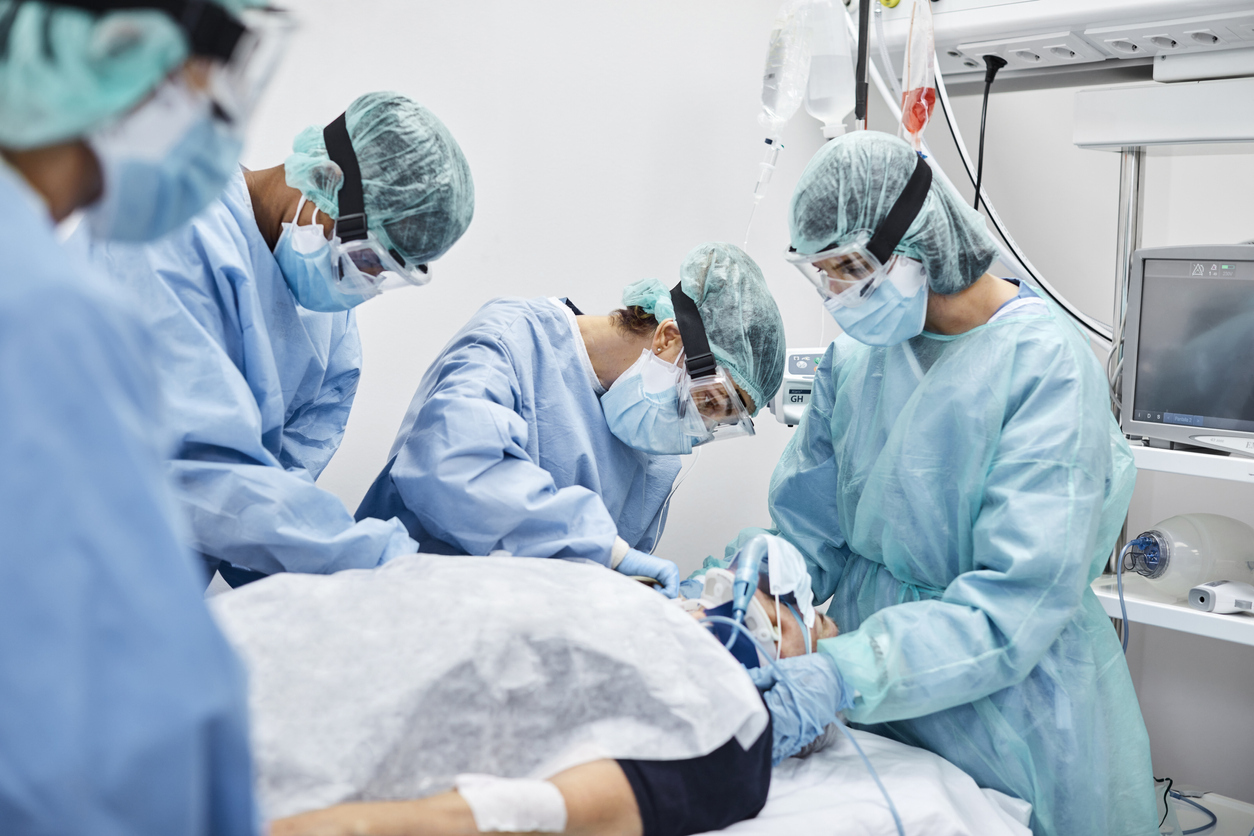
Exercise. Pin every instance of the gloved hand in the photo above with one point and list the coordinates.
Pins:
(803, 702)
(638, 563)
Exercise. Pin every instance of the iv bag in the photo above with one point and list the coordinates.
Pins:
(787, 67)
(917, 76)
(830, 93)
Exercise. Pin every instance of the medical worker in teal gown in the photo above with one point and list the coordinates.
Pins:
(260, 354)
(123, 708)
(512, 442)
(954, 492)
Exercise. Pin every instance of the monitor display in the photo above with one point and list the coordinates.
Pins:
(1195, 357)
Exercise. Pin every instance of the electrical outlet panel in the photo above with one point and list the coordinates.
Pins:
(1052, 50)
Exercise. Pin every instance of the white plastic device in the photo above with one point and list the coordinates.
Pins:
(1223, 597)
(794, 393)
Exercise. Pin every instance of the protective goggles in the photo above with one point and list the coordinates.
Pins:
(244, 50)
(709, 404)
(363, 264)
(711, 408)
(849, 273)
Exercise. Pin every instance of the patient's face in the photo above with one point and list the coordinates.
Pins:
(792, 634)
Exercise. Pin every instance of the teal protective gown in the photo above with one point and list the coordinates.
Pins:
(955, 496)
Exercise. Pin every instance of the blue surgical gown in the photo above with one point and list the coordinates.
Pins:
(505, 448)
(258, 390)
(122, 708)
(955, 496)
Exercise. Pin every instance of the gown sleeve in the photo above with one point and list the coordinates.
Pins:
(465, 472)
(1033, 542)
(125, 709)
(249, 499)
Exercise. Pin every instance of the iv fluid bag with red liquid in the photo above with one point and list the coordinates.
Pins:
(917, 77)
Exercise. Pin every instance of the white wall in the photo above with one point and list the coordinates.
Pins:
(608, 138)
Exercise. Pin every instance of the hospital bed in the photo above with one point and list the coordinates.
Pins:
(831, 792)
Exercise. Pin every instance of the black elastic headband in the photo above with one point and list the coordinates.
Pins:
(905, 210)
(212, 31)
(351, 224)
(697, 355)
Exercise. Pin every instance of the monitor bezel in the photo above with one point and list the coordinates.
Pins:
(1167, 434)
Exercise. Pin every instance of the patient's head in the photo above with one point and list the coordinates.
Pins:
(792, 633)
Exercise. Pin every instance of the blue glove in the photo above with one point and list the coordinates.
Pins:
(802, 702)
(664, 571)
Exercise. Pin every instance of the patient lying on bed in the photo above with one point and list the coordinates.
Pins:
(460, 695)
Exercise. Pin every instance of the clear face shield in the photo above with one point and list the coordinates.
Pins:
(848, 274)
(712, 409)
(236, 84)
(368, 268)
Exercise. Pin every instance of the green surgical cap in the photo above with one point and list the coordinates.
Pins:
(65, 71)
(741, 320)
(853, 182)
(418, 192)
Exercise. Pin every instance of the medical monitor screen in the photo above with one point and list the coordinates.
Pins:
(1195, 348)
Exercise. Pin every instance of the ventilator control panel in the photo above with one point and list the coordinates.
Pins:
(794, 393)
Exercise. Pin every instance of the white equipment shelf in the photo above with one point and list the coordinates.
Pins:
(1232, 468)
(1146, 607)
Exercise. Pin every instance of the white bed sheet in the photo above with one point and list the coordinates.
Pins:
(831, 792)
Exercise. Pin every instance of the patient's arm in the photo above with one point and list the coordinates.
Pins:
(599, 800)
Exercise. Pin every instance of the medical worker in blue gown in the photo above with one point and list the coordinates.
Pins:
(955, 485)
(543, 432)
(259, 351)
(123, 706)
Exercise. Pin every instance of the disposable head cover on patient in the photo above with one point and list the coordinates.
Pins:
(387, 683)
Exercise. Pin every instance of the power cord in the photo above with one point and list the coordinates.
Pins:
(992, 63)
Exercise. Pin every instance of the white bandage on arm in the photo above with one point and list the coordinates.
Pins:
(513, 805)
(618, 551)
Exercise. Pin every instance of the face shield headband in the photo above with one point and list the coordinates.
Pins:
(708, 400)
(361, 262)
(851, 272)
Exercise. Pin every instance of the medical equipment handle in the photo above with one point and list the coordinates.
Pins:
(748, 567)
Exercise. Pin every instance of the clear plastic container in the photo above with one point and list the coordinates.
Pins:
(787, 65)
(830, 91)
(1190, 549)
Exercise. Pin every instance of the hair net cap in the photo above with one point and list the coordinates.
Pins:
(742, 321)
(64, 71)
(853, 182)
(418, 192)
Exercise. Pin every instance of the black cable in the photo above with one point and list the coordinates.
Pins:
(1165, 793)
(992, 63)
(861, 90)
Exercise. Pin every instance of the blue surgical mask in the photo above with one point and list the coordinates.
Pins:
(304, 256)
(893, 313)
(161, 164)
(642, 408)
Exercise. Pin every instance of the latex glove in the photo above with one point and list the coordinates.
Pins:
(803, 702)
(664, 571)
